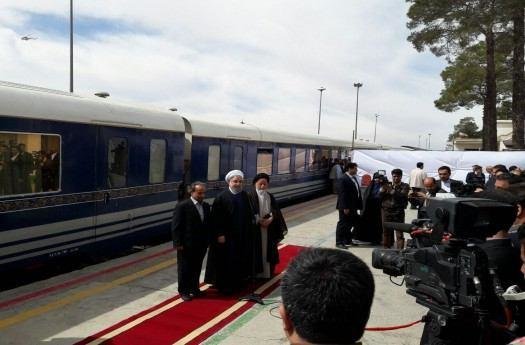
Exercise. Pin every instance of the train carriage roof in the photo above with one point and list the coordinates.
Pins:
(39, 103)
(253, 133)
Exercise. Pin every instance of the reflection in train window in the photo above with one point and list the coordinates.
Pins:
(157, 160)
(237, 158)
(300, 159)
(324, 159)
(264, 161)
(117, 162)
(29, 163)
(312, 159)
(214, 160)
(283, 164)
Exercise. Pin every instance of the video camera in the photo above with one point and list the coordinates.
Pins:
(445, 269)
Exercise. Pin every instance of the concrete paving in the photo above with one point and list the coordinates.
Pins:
(70, 314)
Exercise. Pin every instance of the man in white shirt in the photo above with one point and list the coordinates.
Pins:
(417, 176)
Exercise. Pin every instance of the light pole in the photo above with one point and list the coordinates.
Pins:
(321, 89)
(429, 134)
(70, 45)
(375, 127)
(419, 141)
(358, 85)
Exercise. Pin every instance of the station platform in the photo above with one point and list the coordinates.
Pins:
(133, 299)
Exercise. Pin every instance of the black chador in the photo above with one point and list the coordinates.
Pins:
(232, 263)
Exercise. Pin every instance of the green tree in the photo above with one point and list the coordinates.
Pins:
(448, 28)
(466, 128)
(464, 81)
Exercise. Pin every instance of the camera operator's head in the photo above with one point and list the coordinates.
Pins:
(502, 181)
(397, 174)
(444, 173)
(351, 168)
(326, 297)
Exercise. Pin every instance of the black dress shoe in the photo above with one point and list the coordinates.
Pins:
(185, 297)
(198, 293)
(341, 246)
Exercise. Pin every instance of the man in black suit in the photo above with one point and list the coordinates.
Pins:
(349, 200)
(445, 183)
(191, 237)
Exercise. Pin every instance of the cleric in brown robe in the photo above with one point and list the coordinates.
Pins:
(270, 222)
(233, 256)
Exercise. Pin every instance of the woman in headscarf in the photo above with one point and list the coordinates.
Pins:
(370, 229)
(233, 257)
(270, 222)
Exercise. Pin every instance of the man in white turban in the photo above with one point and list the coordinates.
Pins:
(231, 259)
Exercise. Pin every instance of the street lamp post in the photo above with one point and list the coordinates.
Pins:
(419, 141)
(358, 85)
(70, 45)
(321, 89)
(375, 127)
(429, 134)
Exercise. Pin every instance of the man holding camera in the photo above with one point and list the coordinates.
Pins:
(394, 200)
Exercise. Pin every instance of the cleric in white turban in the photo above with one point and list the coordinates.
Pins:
(233, 173)
(234, 256)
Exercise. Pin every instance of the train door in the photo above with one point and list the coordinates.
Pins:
(112, 219)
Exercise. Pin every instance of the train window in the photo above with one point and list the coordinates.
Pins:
(214, 160)
(237, 158)
(117, 162)
(157, 160)
(324, 159)
(300, 159)
(335, 154)
(264, 161)
(283, 164)
(29, 163)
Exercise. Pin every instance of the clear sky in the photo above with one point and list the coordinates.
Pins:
(227, 61)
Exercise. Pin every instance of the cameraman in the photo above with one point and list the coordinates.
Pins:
(394, 201)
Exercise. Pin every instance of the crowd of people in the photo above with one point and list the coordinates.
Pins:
(362, 215)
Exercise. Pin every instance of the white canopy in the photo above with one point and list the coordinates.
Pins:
(460, 162)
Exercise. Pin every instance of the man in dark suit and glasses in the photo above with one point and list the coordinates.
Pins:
(191, 237)
(349, 200)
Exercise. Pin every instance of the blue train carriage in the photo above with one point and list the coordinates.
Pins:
(298, 164)
(81, 174)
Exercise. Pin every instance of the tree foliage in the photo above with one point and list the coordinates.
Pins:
(452, 28)
(466, 128)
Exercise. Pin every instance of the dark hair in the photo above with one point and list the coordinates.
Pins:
(444, 167)
(419, 165)
(499, 167)
(512, 168)
(350, 165)
(260, 176)
(197, 183)
(397, 172)
(327, 295)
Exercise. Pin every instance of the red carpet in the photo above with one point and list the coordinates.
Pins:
(190, 322)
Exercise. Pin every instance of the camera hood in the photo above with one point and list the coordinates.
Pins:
(467, 218)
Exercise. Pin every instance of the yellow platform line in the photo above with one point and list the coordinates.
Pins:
(78, 296)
